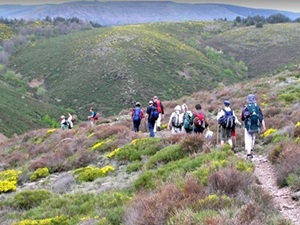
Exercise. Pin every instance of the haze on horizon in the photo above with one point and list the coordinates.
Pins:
(289, 5)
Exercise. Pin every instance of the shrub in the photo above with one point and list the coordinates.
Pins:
(29, 198)
(39, 173)
(134, 166)
(8, 180)
(230, 181)
(91, 173)
(214, 202)
(139, 147)
(165, 155)
(192, 143)
(62, 220)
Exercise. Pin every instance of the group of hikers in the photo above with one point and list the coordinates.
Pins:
(67, 122)
(184, 120)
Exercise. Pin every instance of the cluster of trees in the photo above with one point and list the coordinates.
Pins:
(26, 32)
(258, 20)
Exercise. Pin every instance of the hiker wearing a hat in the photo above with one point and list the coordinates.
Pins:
(253, 122)
(227, 121)
(137, 115)
(176, 120)
(160, 108)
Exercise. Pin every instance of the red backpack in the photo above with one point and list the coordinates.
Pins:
(199, 120)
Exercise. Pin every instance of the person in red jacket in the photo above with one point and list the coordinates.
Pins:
(160, 108)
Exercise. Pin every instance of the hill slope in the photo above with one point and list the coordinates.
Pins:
(112, 68)
(111, 175)
(130, 12)
(21, 113)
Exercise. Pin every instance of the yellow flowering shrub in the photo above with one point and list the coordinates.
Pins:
(8, 180)
(268, 132)
(39, 173)
(90, 173)
(62, 220)
(113, 153)
(51, 131)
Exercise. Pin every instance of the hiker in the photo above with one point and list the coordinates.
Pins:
(184, 108)
(93, 117)
(137, 115)
(199, 120)
(151, 118)
(227, 120)
(70, 120)
(64, 122)
(253, 122)
(176, 120)
(188, 125)
(160, 108)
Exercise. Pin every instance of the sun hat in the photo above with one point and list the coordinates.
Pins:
(150, 102)
(177, 108)
(227, 102)
(251, 99)
(137, 104)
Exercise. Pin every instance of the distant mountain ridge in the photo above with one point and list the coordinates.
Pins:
(121, 13)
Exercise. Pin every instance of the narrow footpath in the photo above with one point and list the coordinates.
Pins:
(264, 171)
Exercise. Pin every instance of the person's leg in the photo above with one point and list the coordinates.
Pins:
(135, 126)
(222, 136)
(151, 127)
(158, 123)
(138, 126)
(228, 137)
(248, 143)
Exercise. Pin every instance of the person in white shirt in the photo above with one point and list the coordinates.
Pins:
(176, 120)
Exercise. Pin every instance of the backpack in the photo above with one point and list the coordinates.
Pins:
(97, 116)
(158, 105)
(227, 121)
(136, 115)
(153, 114)
(188, 122)
(199, 120)
(253, 118)
(176, 121)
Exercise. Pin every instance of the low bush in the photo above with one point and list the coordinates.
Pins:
(134, 166)
(91, 173)
(29, 198)
(39, 173)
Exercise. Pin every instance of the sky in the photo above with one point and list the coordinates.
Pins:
(285, 5)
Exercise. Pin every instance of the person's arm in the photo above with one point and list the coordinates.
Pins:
(142, 115)
(262, 121)
(236, 119)
(162, 108)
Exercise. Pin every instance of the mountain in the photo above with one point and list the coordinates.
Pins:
(120, 13)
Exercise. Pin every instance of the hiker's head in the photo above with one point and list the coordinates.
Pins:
(91, 109)
(251, 99)
(184, 107)
(177, 108)
(62, 117)
(150, 102)
(198, 107)
(227, 103)
(155, 98)
(137, 104)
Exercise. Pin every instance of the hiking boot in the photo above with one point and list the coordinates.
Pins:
(249, 157)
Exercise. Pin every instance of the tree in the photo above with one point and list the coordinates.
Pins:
(278, 18)
(238, 19)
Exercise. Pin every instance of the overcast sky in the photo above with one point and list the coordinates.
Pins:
(287, 5)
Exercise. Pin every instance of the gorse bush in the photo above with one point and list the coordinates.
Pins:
(91, 173)
(8, 180)
(39, 173)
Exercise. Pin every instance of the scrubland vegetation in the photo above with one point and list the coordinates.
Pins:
(111, 175)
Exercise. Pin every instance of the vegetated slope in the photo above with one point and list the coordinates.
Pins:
(262, 49)
(96, 175)
(133, 12)
(111, 68)
(21, 113)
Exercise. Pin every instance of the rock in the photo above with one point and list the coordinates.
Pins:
(296, 196)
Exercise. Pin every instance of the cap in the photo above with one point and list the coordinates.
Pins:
(251, 98)
(177, 108)
(227, 102)
(150, 102)
(155, 97)
(137, 104)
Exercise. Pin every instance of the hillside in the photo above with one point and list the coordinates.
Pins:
(21, 113)
(111, 68)
(111, 175)
(131, 12)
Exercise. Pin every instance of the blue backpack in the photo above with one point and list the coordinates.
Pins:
(153, 114)
(227, 121)
(136, 115)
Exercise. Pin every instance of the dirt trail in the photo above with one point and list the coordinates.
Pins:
(282, 196)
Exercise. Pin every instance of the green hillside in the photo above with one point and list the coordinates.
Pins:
(20, 113)
(111, 68)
